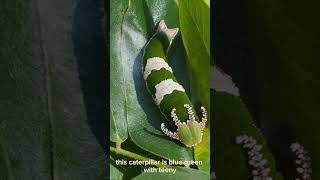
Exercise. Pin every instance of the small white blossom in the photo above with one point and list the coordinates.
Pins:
(303, 162)
(260, 170)
(213, 176)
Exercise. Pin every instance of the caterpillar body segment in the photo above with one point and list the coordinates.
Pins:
(167, 93)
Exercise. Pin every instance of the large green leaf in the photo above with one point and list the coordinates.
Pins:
(207, 2)
(118, 88)
(202, 151)
(195, 29)
(132, 24)
(44, 95)
(286, 43)
(115, 173)
(181, 173)
(232, 119)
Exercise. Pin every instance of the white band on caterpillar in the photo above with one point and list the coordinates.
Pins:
(155, 63)
(166, 87)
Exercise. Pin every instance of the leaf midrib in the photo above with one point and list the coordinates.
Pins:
(115, 126)
(7, 160)
(47, 86)
(122, 60)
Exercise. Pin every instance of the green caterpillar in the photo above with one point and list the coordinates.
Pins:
(167, 93)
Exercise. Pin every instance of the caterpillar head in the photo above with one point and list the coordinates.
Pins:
(166, 34)
(169, 33)
(190, 132)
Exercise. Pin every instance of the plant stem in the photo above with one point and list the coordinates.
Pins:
(119, 150)
(128, 153)
(118, 145)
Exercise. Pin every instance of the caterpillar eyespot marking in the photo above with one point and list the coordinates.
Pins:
(168, 94)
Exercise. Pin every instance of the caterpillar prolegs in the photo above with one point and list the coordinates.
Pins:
(167, 93)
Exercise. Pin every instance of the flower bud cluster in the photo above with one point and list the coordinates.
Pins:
(213, 176)
(260, 169)
(303, 162)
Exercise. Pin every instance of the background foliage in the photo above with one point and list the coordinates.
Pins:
(52, 122)
(270, 50)
(135, 118)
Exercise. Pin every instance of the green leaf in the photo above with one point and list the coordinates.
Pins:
(181, 173)
(231, 119)
(132, 24)
(207, 2)
(202, 151)
(195, 29)
(118, 88)
(286, 44)
(115, 173)
(44, 95)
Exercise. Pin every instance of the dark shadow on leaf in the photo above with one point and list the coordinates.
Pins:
(144, 98)
(161, 136)
(231, 49)
(153, 114)
(89, 49)
(281, 137)
(148, 20)
(154, 134)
